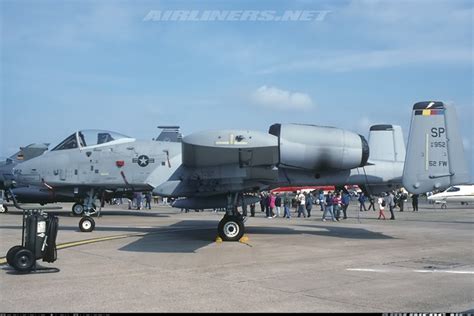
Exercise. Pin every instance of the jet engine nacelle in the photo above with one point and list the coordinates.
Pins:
(317, 148)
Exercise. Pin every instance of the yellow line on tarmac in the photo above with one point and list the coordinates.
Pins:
(3, 260)
(93, 240)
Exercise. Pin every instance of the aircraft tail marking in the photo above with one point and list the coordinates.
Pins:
(435, 154)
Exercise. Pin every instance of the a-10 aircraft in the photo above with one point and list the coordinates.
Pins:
(213, 169)
(7, 178)
(43, 194)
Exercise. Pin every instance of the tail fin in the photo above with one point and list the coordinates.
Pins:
(386, 143)
(435, 155)
(30, 151)
(169, 134)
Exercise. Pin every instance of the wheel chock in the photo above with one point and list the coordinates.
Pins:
(244, 239)
(218, 239)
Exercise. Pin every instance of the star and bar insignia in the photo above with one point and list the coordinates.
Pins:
(143, 160)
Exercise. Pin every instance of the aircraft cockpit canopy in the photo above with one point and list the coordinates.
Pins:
(69, 143)
(453, 189)
(86, 138)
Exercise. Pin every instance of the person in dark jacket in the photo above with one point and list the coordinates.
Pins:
(346, 199)
(278, 204)
(362, 202)
(309, 203)
(391, 204)
(414, 202)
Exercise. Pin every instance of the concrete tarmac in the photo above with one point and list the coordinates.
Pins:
(164, 260)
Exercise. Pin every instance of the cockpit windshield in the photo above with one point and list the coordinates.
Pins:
(97, 137)
(88, 138)
(453, 189)
(69, 143)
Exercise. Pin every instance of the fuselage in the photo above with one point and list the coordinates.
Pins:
(119, 162)
(124, 163)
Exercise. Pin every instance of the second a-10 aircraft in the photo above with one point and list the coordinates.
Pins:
(43, 194)
(214, 169)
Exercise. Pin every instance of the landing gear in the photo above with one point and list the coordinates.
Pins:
(231, 228)
(3, 208)
(91, 210)
(77, 209)
(86, 224)
(444, 206)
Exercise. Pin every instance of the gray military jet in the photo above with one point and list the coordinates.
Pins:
(43, 194)
(90, 162)
(7, 179)
(215, 168)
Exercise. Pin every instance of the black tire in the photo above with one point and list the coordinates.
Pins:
(231, 228)
(444, 206)
(77, 209)
(23, 260)
(11, 252)
(86, 224)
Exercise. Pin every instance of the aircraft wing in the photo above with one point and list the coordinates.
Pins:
(217, 162)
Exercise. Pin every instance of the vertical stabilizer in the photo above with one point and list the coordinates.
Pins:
(435, 154)
(386, 143)
(169, 134)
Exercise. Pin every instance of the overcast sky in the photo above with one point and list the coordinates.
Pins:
(68, 65)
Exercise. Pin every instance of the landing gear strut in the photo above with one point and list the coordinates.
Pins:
(231, 227)
(87, 224)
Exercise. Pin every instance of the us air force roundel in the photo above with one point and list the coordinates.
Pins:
(143, 160)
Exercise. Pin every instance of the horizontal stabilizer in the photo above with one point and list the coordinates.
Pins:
(435, 154)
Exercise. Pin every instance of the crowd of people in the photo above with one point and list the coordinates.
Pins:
(333, 204)
(138, 201)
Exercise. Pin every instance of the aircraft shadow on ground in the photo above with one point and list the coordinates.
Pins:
(182, 237)
(190, 235)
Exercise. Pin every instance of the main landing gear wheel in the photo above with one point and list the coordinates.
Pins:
(231, 228)
(77, 209)
(444, 206)
(86, 224)
(23, 260)
(13, 250)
